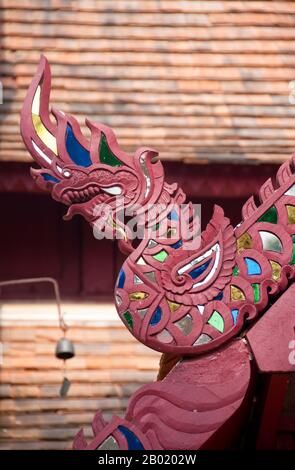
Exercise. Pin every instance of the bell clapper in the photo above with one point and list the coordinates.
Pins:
(66, 383)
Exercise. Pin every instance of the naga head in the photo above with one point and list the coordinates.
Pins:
(93, 178)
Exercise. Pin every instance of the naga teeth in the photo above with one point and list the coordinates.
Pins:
(67, 198)
(81, 195)
(91, 191)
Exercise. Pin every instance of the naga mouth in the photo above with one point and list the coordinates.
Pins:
(78, 195)
(85, 194)
(76, 198)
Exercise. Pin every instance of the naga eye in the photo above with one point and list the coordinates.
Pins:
(67, 173)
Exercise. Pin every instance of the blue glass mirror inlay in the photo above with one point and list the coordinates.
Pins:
(219, 296)
(199, 270)
(121, 280)
(157, 315)
(132, 440)
(177, 245)
(48, 177)
(253, 267)
(235, 313)
(76, 151)
(173, 215)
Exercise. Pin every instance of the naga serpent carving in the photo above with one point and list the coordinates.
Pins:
(194, 301)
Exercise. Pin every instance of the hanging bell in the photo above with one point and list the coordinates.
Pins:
(64, 349)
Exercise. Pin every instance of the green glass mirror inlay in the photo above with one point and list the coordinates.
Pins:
(106, 156)
(128, 319)
(235, 271)
(216, 321)
(161, 256)
(271, 216)
(256, 292)
(293, 254)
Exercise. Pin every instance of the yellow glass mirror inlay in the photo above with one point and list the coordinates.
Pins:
(291, 214)
(138, 295)
(276, 270)
(117, 227)
(173, 306)
(236, 293)
(171, 232)
(244, 242)
(41, 131)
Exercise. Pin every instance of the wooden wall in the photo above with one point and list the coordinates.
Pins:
(199, 80)
(109, 366)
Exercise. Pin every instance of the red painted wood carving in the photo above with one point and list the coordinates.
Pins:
(174, 294)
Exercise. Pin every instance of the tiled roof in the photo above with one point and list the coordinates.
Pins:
(198, 80)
